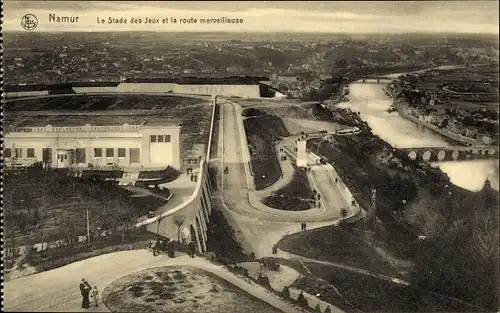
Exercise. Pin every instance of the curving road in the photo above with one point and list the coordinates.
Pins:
(57, 290)
(236, 193)
(257, 226)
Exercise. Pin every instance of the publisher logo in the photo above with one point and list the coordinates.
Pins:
(29, 22)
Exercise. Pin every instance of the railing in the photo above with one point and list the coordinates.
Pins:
(88, 127)
(211, 128)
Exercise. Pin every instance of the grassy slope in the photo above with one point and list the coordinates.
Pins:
(263, 156)
(182, 290)
(292, 196)
(335, 244)
(53, 196)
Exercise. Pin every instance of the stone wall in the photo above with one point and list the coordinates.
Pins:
(244, 91)
(195, 212)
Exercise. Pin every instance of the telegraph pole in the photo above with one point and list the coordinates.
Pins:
(88, 227)
(371, 215)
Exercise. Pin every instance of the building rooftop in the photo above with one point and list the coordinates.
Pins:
(94, 120)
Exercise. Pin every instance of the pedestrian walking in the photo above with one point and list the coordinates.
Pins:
(191, 247)
(95, 296)
(305, 225)
(275, 249)
(192, 177)
(154, 245)
(85, 291)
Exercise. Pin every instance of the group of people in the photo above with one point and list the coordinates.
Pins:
(89, 293)
(194, 177)
(159, 244)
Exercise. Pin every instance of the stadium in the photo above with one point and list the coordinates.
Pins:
(106, 131)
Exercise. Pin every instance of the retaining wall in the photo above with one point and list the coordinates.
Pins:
(145, 87)
(95, 89)
(27, 93)
(195, 212)
(244, 91)
(344, 190)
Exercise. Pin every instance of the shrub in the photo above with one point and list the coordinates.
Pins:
(264, 281)
(224, 261)
(328, 310)
(317, 308)
(285, 293)
(302, 301)
(343, 212)
(171, 251)
(252, 256)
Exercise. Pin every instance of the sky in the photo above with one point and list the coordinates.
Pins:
(264, 16)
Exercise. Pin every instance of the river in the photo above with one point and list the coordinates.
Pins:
(370, 100)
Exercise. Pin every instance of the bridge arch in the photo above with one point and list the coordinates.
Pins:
(194, 237)
(412, 155)
(201, 243)
(441, 155)
(426, 156)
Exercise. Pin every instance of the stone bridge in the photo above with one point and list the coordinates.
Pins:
(451, 153)
(378, 79)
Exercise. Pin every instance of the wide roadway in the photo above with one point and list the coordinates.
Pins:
(236, 192)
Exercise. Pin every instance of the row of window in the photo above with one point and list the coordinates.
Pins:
(18, 153)
(80, 155)
(134, 154)
(109, 152)
(159, 138)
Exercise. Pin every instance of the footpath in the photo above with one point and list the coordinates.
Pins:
(57, 290)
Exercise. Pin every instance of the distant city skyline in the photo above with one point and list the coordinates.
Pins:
(266, 16)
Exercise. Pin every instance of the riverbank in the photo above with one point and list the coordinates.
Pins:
(372, 104)
(446, 215)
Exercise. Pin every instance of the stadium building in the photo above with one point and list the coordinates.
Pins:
(137, 145)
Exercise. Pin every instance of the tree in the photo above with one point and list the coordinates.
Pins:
(484, 239)
(302, 301)
(119, 212)
(9, 225)
(44, 205)
(178, 221)
(444, 123)
(317, 308)
(160, 218)
(285, 293)
(343, 212)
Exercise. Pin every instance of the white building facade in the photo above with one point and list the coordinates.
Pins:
(123, 146)
(301, 153)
